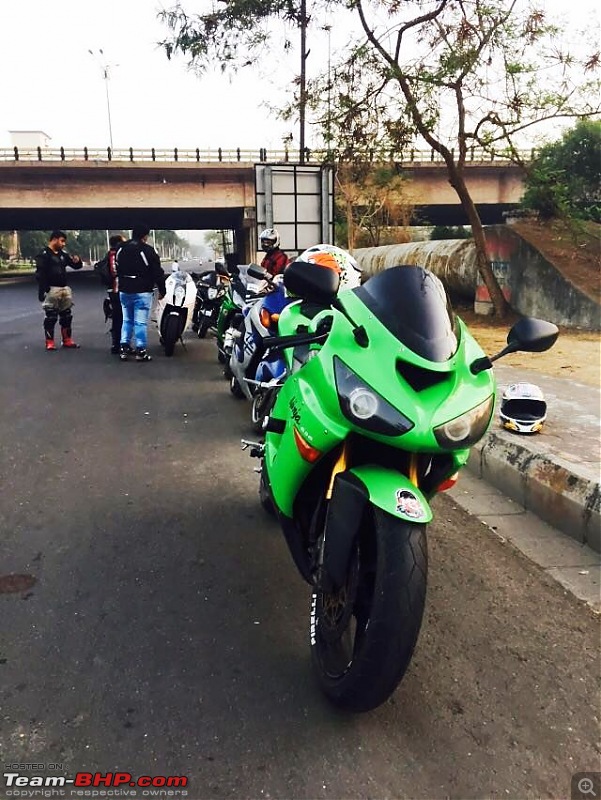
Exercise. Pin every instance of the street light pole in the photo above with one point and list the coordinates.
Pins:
(328, 29)
(303, 79)
(105, 67)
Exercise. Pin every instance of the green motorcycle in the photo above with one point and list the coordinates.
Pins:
(385, 394)
(230, 311)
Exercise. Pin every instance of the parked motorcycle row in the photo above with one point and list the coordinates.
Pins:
(368, 401)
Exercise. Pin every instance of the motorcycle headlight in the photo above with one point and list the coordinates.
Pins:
(212, 293)
(179, 294)
(364, 407)
(467, 429)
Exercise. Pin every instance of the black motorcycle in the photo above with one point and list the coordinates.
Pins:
(211, 287)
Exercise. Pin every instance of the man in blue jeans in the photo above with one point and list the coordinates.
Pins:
(139, 271)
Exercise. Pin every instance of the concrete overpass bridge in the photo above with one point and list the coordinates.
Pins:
(81, 189)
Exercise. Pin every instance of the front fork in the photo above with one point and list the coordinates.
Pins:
(342, 463)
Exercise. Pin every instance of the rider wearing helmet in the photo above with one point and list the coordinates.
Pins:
(523, 408)
(328, 255)
(276, 260)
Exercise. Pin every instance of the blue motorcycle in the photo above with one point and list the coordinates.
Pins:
(249, 366)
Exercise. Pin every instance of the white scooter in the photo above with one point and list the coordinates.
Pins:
(173, 313)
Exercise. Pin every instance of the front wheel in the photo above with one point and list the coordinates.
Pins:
(235, 389)
(262, 403)
(363, 636)
(203, 327)
(171, 333)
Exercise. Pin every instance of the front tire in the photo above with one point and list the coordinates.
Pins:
(235, 389)
(203, 327)
(171, 334)
(261, 406)
(363, 636)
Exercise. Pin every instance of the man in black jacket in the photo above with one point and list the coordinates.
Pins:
(139, 271)
(53, 292)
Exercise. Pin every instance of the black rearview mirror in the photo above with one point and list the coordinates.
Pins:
(532, 335)
(529, 334)
(255, 271)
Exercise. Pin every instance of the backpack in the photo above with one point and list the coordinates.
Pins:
(102, 269)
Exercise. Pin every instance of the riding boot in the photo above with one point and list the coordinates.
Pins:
(49, 336)
(67, 340)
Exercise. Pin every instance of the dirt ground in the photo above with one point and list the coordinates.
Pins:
(575, 251)
(575, 355)
(574, 248)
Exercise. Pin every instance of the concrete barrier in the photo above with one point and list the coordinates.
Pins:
(553, 491)
(533, 286)
(554, 474)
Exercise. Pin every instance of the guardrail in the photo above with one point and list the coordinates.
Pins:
(233, 156)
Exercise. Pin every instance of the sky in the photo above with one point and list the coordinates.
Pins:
(50, 82)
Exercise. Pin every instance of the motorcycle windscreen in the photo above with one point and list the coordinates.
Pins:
(412, 303)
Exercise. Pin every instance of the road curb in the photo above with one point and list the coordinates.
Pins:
(553, 491)
(16, 278)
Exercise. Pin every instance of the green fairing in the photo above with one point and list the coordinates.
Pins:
(320, 420)
(223, 319)
(383, 487)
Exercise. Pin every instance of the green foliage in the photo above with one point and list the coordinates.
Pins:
(4, 245)
(31, 242)
(565, 179)
(371, 198)
(92, 245)
(450, 232)
(231, 34)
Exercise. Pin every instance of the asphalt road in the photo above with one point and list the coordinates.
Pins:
(160, 627)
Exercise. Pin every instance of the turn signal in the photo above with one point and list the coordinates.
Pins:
(265, 317)
(310, 454)
(448, 483)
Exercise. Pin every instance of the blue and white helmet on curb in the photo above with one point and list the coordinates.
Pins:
(523, 408)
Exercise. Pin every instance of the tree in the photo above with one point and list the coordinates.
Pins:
(4, 245)
(372, 197)
(500, 67)
(565, 178)
(217, 241)
(31, 242)
(235, 35)
(169, 244)
(458, 73)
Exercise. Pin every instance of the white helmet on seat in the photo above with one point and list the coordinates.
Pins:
(343, 262)
(523, 408)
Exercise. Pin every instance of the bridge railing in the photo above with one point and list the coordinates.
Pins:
(230, 156)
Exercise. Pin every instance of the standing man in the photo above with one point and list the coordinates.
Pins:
(112, 287)
(276, 260)
(139, 271)
(53, 292)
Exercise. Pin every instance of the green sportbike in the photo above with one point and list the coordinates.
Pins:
(385, 394)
